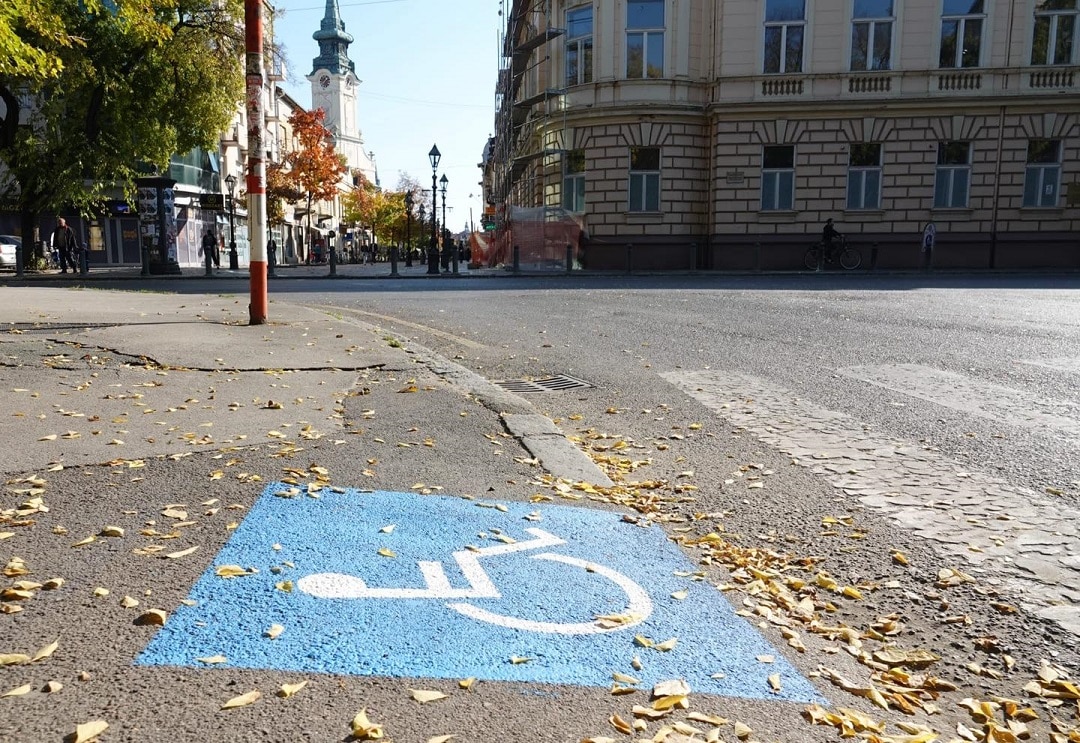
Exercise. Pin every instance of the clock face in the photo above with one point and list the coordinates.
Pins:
(324, 81)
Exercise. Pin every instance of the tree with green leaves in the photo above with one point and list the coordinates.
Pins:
(100, 92)
(316, 167)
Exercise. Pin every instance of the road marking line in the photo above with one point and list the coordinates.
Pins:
(958, 392)
(1011, 536)
(417, 326)
(1066, 365)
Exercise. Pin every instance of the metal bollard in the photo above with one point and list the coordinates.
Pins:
(569, 258)
(693, 258)
(517, 259)
(84, 262)
(393, 261)
(333, 260)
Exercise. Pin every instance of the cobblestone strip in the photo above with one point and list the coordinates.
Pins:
(1017, 539)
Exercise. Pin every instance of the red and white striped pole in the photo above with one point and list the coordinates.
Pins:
(256, 167)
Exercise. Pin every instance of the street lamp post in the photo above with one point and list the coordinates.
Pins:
(408, 229)
(234, 262)
(453, 248)
(433, 246)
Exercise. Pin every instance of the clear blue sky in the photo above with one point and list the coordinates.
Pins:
(428, 71)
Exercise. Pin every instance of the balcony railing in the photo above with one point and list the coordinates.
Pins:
(869, 83)
(1052, 79)
(785, 86)
(953, 81)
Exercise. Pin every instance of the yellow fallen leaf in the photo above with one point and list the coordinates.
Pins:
(774, 682)
(49, 437)
(18, 691)
(621, 725)
(243, 700)
(680, 595)
(427, 695)
(387, 552)
(46, 651)
(365, 729)
(112, 531)
(231, 571)
(154, 617)
(52, 584)
(213, 659)
(87, 731)
(388, 529)
(83, 542)
(128, 602)
(441, 739)
(181, 553)
(467, 684)
(517, 660)
(287, 690)
(51, 687)
(13, 659)
(742, 730)
(667, 645)
(274, 631)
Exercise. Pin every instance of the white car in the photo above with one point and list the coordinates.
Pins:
(8, 245)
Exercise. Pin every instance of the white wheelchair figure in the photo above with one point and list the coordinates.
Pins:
(437, 586)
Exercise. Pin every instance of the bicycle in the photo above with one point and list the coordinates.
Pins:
(819, 254)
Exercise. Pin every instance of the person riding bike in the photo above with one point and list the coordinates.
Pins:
(828, 235)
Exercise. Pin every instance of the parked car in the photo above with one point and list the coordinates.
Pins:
(8, 245)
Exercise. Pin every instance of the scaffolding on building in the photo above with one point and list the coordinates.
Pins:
(530, 147)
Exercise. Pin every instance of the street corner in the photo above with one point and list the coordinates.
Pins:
(378, 583)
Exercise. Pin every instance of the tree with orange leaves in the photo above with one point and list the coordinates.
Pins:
(315, 169)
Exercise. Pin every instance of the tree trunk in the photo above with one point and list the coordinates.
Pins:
(31, 235)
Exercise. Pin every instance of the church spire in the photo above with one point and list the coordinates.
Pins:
(333, 43)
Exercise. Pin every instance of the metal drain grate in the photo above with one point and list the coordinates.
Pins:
(557, 383)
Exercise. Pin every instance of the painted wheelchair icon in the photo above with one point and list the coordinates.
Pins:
(340, 586)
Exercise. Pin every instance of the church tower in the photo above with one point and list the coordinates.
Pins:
(333, 89)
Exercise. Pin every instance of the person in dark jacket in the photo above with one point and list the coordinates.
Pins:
(66, 244)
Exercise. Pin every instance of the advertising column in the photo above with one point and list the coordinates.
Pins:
(157, 225)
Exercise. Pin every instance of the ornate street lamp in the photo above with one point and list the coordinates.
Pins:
(453, 251)
(408, 229)
(234, 261)
(433, 246)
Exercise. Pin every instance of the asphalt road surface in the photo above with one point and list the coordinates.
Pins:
(881, 477)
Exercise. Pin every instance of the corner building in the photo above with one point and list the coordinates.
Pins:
(721, 134)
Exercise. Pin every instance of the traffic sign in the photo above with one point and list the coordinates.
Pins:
(409, 585)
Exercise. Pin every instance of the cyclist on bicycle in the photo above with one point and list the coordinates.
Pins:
(828, 235)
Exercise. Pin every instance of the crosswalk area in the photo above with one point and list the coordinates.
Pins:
(1027, 540)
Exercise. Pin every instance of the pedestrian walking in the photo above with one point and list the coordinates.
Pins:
(210, 248)
(66, 245)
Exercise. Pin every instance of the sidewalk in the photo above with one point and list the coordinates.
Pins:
(319, 271)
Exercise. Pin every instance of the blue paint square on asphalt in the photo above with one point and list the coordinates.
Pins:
(460, 588)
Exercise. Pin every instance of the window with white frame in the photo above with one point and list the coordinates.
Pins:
(1042, 177)
(574, 181)
(785, 25)
(961, 33)
(871, 35)
(579, 45)
(645, 39)
(1055, 32)
(952, 181)
(644, 179)
(778, 178)
(864, 176)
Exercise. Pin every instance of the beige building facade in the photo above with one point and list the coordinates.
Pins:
(713, 134)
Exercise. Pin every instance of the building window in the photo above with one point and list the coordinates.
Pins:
(1043, 174)
(953, 177)
(864, 177)
(579, 65)
(645, 39)
(961, 33)
(778, 178)
(871, 35)
(1055, 32)
(644, 179)
(785, 22)
(574, 181)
